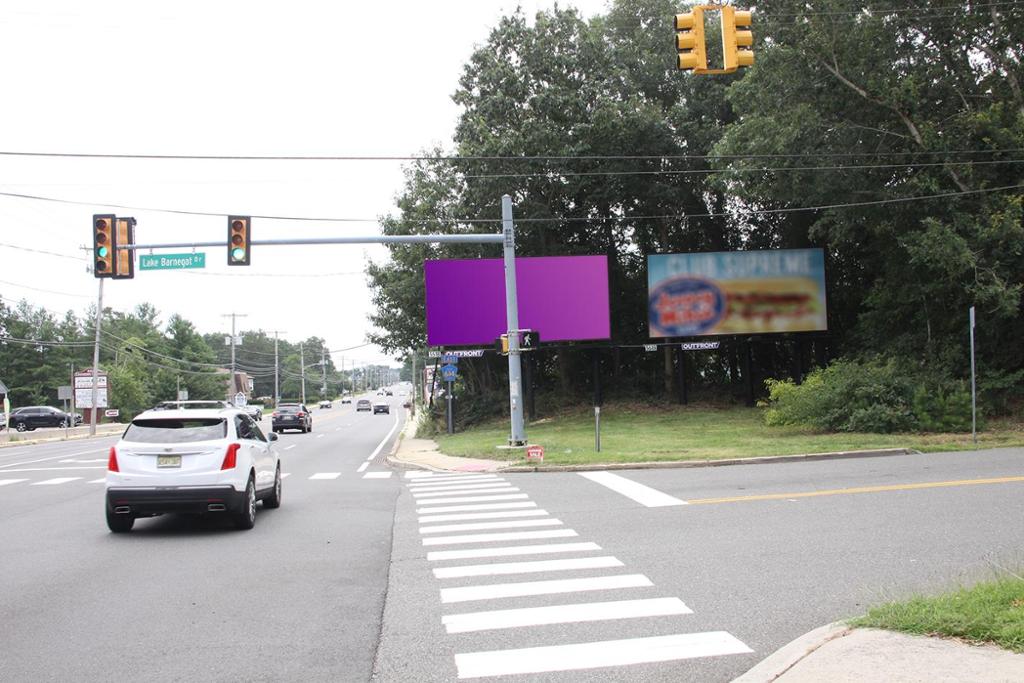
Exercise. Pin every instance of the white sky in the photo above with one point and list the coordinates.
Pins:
(218, 77)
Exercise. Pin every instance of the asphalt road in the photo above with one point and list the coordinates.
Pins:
(756, 555)
(179, 598)
(368, 573)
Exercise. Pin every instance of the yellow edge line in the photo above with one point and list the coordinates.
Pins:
(862, 489)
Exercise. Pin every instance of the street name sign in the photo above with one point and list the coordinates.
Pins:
(171, 261)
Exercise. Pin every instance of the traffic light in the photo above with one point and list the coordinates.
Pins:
(737, 40)
(103, 244)
(124, 258)
(690, 41)
(238, 240)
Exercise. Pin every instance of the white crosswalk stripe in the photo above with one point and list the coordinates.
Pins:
(480, 526)
(511, 551)
(563, 614)
(472, 499)
(498, 488)
(326, 475)
(427, 519)
(522, 589)
(481, 506)
(535, 567)
(505, 536)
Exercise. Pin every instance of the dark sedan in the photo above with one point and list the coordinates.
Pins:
(292, 416)
(33, 417)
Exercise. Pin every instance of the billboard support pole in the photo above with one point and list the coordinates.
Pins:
(748, 370)
(681, 370)
(451, 417)
(515, 378)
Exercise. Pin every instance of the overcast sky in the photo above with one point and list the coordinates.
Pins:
(224, 78)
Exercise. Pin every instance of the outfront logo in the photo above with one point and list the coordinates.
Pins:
(685, 306)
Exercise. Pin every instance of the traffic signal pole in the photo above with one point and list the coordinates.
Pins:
(96, 361)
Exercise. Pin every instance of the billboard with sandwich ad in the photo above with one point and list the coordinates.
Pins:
(736, 292)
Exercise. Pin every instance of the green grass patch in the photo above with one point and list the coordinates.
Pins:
(990, 612)
(637, 433)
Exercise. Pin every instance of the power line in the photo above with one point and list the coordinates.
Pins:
(45, 291)
(43, 251)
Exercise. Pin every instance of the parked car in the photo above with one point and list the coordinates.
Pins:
(381, 407)
(194, 461)
(292, 416)
(325, 404)
(33, 417)
(363, 404)
(255, 412)
(346, 399)
(388, 393)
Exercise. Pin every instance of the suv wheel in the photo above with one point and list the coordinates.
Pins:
(274, 499)
(119, 524)
(246, 517)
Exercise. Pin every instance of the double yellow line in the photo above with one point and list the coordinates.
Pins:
(859, 489)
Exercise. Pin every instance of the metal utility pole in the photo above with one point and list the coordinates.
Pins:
(515, 370)
(96, 360)
(302, 361)
(974, 393)
(234, 380)
(277, 377)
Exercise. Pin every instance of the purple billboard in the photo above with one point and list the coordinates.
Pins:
(562, 297)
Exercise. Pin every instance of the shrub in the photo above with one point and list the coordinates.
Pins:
(874, 396)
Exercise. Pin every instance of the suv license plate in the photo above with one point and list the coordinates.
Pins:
(168, 461)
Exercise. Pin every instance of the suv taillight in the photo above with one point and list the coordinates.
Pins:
(300, 415)
(231, 457)
(112, 461)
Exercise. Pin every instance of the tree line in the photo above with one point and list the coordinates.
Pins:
(891, 137)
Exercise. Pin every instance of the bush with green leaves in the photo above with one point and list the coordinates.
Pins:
(880, 395)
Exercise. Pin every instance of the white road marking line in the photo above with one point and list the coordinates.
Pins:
(86, 461)
(564, 614)
(5, 482)
(511, 551)
(505, 536)
(337, 429)
(472, 499)
(288, 448)
(599, 654)
(370, 457)
(533, 567)
(55, 482)
(319, 436)
(326, 475)
(459, 486)
(52, 457)
(485, 506)
(384, 440)
(644, 495)
(434, 482)
(377, 475)
(99, 481)
(427, 519)
(56, 469)
(480, 526)
(518, 590)
(496, 488)
(363, 467)
(285, 475)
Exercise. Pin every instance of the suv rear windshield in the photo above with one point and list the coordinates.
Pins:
(176, 431)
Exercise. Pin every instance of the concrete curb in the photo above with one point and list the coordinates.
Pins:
(73, 437)
(674, 464)
(788, 656)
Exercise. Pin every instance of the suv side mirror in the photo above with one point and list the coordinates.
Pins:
(272, 436)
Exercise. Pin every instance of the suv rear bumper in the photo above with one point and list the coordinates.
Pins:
(151, 501)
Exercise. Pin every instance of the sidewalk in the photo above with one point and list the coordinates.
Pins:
(832, 654)
(75, 433)
(839, 654)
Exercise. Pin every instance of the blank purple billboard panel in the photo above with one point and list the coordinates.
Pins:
(562, 297)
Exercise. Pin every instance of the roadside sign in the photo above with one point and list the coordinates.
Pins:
(449, 359)
(65, 393)
(171, 261)
(650, 347)
(535, 453)
(530, 340)
(83, 380)
(700, 346)
(464, 353)
(449, 372)
(240, 400)
(183, 395)
(112, 413)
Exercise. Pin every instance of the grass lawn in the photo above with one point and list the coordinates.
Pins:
(634, 433)
(991, 612)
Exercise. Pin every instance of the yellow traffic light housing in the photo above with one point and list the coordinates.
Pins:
(690, 46)
(103, 244)
(124, 258)
(737, 39)
(239, 252)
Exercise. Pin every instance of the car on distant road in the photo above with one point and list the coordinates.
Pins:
(363, 404)
(346, 399)
(292, 416)
(214, 461)
(255, 412)
(33, 417)
(381, 407)
(325, 404)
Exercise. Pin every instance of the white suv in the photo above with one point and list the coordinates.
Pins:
(216, 461)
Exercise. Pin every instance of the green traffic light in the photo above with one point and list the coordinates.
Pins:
(102, 252)
(238, 254)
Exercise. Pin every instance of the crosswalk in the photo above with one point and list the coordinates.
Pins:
(491, 547)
